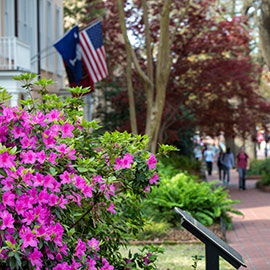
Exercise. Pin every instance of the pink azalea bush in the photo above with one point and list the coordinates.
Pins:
(67, 194)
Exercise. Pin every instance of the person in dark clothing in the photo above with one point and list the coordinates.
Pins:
(220, 165)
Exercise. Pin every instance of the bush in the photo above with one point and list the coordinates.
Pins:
(182, 163)
(69, 198)
(203, 201)
(264, 181)
(259, 166)
(154, 230)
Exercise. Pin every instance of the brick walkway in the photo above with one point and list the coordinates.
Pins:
(250, 235)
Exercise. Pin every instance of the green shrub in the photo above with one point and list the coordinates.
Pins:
(183, 163)
(259, 166)
(264, 181)
(203, 201)
(154, 230)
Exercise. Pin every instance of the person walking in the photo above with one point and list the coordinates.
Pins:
(209, 157)
(227, 161)
(197, 152)
(219, 164)
(242, 160)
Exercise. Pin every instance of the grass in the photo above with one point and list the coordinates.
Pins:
(177, 257)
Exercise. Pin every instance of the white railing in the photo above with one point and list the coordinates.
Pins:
(14, 54)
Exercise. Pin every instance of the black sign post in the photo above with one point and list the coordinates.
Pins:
(214, 246)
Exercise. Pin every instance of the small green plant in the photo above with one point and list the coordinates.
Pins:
(196, 259)
(203, 201)
(154, 230)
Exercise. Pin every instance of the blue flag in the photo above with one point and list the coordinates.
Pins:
(69, 48)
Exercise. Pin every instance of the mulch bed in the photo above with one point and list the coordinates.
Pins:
(180, 236)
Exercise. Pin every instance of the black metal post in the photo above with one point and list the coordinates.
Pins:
(211, 258)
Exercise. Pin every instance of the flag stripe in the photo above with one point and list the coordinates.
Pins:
(102, 61)
(103, 53)
(100, 57)
(90, 57)
(94, 58)
(89, 68)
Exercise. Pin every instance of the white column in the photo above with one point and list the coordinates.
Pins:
(14, 99)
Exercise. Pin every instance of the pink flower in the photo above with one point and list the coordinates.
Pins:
(57, 232)
(63, 249)
(29, 157)
(41, 156)
(146, 259)
(67, 130)
(80, 249)
(152, 161)
(65, 177)
(7, 160)
(35, 258)
(118, 163)
(49, 253)
(28, 237)
(111, 208)
(29, 217)
(147, 189)
(48, 181)
(7, 219)
(93, 244)
(17, 132)
(53, 200)
(53, 115)
(126, 161)
(62, 266)
(154, 179)
(62, 202)
(8, 198)
(91, 263)
(106, 265)
(38, 180)
(87, 191)
(52, 158)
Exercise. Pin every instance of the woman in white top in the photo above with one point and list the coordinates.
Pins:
(209, 157)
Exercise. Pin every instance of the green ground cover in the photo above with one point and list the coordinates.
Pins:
(177, 257)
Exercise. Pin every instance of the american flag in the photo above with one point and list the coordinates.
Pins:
(93, 52)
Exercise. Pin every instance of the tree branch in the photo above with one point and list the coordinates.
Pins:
(129, 48)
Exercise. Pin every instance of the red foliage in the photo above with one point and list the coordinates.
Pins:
(212, 75)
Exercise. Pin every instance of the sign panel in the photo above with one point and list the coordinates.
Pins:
(211, 240)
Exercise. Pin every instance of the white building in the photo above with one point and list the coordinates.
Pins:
(28, 29)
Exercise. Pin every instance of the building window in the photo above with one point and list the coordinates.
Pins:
(9, 18)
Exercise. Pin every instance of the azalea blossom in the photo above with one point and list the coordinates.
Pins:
(28, 237)
(7, 220)
(152, 161)
(7, 160)
(111, 208)
(154, 179)
(35, 258)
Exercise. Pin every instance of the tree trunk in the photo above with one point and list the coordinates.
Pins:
(264, 31)
(132, 111)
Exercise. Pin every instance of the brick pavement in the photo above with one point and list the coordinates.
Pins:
(250, 234)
